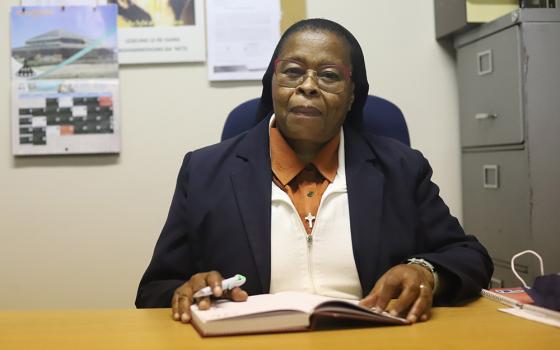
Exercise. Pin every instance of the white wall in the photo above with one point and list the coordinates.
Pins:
(78, 231)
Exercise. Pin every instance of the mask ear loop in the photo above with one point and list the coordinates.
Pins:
(518, 255)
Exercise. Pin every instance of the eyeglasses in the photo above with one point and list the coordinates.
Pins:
(330, 77)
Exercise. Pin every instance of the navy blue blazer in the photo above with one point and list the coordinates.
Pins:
(220, 218)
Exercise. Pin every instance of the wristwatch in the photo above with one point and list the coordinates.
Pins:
(426, 264)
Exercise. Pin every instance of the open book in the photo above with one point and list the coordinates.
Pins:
(283, 312)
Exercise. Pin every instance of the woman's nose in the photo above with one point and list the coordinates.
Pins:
(309, 85)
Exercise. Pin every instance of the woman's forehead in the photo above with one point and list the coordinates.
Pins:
(316, 46)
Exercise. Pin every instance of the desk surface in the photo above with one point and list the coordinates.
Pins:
(476, 326)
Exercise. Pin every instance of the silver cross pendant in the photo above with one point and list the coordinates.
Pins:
(309, 218)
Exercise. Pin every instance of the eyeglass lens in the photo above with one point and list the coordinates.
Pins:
(330, 78)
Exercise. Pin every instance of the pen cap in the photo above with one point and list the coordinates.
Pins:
(233, 282)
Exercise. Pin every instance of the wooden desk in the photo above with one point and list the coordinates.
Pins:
(476, 326)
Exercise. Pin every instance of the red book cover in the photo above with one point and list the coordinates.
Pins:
(517, 293)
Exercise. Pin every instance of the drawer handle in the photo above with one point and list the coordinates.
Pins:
(483, 116)
(496, 283)
(490, 176)
(484, 62)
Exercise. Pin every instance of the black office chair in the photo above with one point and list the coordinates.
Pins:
(381, 117)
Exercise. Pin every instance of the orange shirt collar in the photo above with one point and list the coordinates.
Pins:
(286, 165)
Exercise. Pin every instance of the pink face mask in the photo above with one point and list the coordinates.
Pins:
(545, 291)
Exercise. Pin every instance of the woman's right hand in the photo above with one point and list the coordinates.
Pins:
(183, 296)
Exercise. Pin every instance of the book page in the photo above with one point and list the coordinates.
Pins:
(260, 304)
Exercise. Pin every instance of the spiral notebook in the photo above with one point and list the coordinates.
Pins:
(508, 296)
(522, 305)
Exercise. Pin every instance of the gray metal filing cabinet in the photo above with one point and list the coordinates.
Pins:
(509, 97)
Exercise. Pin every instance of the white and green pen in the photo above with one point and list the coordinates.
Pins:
(230, 283)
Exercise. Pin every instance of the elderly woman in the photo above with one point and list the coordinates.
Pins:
(308, 201)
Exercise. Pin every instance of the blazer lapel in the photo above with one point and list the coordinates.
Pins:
(365, 200)
(252, 183)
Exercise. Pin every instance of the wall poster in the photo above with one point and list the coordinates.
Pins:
(160, 31)
(64, 80)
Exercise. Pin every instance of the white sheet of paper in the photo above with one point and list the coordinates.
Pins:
(532, 316)
(242, 35)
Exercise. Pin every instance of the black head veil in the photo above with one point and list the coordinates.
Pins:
(359, 77)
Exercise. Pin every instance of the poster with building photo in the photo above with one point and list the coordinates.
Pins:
(64, 80)
(160, 31)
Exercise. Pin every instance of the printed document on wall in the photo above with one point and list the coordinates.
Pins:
(64, 80)
(242, 35)
(157, 31)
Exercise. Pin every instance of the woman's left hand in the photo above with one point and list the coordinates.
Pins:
(411, 284)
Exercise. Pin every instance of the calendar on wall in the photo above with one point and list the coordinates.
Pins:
(65, 118)
(65, 87)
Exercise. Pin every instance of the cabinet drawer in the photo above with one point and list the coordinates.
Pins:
(489, 73)
(497, 200)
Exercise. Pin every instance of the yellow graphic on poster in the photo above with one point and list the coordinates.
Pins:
(159, 31)
(155, 13)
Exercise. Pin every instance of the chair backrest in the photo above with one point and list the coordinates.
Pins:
(381, 117)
